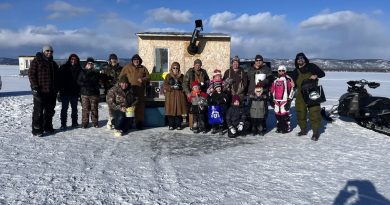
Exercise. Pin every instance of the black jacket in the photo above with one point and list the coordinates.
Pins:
(235, 115)
(69, 73)
(89, 82)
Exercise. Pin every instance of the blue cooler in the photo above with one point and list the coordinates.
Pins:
(154, 117)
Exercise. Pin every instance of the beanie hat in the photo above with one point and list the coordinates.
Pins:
(113, 56)
(217, 72)
(197, 61)
(259, 87)
(236, 59)
(195, 83)
(259, 57)
(235, 98)
(47, 48)
(282, 67)
(217, 84)
(90, 59)
(123, 79)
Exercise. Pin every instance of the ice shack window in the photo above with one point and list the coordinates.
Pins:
(161, 60)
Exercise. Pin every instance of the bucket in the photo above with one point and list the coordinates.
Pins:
(130, 112)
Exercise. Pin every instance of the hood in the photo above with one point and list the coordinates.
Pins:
(136, 56)
(300, 55)
(71, 56)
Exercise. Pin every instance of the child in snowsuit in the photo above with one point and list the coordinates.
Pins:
(198, 100)
(221, 99)
(282, 94)
(236, 118)
(258, 110)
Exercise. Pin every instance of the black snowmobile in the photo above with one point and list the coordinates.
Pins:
(368, 111)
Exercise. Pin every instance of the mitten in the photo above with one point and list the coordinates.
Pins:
(232, 130)
(240, 126)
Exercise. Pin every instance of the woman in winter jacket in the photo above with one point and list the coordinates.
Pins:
(89, 90)
(236, 117)
(175, 99)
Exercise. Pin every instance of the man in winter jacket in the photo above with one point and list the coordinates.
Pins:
(304, 70)
(110, 75)
(138, 76)
(43, 76)
(69, 89)
(120, 98)
(235, 79)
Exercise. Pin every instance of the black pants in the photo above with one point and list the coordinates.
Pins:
(43, 112)
(283, 123)
(121, 122)
(66, 100)
(174, 121)
(257, 125)
(199, 121)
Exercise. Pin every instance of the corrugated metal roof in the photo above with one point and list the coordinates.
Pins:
(182, 34)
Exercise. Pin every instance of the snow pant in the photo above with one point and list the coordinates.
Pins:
(198, 121)
(257, 125)
(89, 105)
(174, 121)
(121, 122)
(283, 123)
(66, 100)
(314, 114)
(43, 112)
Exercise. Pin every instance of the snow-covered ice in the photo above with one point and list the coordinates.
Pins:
(348, 165)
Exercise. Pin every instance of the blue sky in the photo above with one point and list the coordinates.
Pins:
(342, 29)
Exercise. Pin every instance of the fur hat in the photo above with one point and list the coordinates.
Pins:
(123, 79)
(195, 83)
(198, 61)
(235, 98)
(217, 84)
(217, 72)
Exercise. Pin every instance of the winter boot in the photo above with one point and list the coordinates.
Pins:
(302, 133)
(117, 133)
(109, 123)
(315, 136)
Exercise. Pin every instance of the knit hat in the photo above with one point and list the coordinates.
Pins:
(217, 84)
(236, 59)
(197, 61)
(217, 72)
(113, 56)
(235, 98)
(47, 48)
(90, 59)
(259, 57)
(282, 67)
(195, 83)
(259, 87)
(123, 79)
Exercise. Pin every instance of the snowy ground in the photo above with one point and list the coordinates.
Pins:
(348, 165)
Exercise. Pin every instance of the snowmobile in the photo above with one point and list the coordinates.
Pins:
(368, 111)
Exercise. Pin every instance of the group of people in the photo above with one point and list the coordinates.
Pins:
(70, 82)
(235, 102)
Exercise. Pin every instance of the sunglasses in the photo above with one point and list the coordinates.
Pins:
(176, 68)
(49, 51)
(282, 71)
(90, 63)
(258, 60)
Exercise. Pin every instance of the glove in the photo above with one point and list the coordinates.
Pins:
(288, 104)
(240, 126)
(232, 130)
(36, 93)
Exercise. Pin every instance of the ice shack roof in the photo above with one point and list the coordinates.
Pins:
(181, 34)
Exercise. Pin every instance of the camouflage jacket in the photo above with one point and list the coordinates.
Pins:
(118, 98)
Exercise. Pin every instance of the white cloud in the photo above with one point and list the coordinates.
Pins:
(4, 6)
(260, 23)
(171, 16)
(329, 20)
(62, 9)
